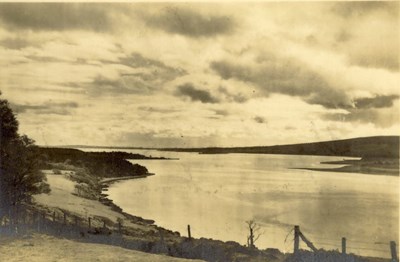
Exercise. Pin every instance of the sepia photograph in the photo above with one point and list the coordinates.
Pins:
(200, 131)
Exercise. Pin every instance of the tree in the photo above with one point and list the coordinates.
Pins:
(254, 233)
(20, 176)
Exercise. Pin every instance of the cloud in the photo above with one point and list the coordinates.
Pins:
(63, 108)
(231, 97)
(221, 112)
(122, 85)
(16, 43)
(156, 68)
(195, 94)
(378, 118)
(144, 76)
(153, 109)
(379, 101)
(190, 23)
(381, 111)
(377, 59)
(55, 16)
(44, 59)
(360, 8)
(365, 24)
(260, 120)
(285, 77)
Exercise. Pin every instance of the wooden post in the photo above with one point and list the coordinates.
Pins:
(65, 218)
(38, 220)
(104, 224)
(296, 238)
(393, 251)
(54, 216)
(89, 221)
(308, 242)
(343, 245)
(189, 234)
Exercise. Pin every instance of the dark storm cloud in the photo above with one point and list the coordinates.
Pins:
(46, 108)
(187, 22)
(379, 101)
(55, 16)
(285, 77)
(195, 94)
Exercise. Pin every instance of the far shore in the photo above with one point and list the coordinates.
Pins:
(367, 166)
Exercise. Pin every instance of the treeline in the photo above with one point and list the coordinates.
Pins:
(365, 147)
(20, 175)
(99, 164)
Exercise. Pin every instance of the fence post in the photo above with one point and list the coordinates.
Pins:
(189, 234)
(393, 251)
(104, 224)
(65, 218)
(343, 245)
(54, 216)
(38, 220)
(24, 217)
(89, 221)
(296, 238)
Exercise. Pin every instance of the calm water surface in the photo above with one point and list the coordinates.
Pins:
(216, 194)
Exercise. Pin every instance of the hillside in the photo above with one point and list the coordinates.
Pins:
(102, 164)
(365, 147)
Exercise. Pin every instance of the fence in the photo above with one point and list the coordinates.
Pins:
(298, 235)
(62, 223)
(58, 222)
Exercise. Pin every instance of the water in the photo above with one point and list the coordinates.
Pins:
(216, 194)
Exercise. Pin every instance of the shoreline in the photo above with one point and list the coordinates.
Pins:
(105, 183)
(270, 253)
(144, 235)
(108, 181)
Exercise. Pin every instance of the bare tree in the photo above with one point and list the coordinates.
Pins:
(254, 233)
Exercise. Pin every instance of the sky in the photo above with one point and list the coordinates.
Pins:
(197, 74)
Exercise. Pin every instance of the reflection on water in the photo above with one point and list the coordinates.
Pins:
(216, 194)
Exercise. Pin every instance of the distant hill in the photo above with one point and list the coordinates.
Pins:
(365, 147)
